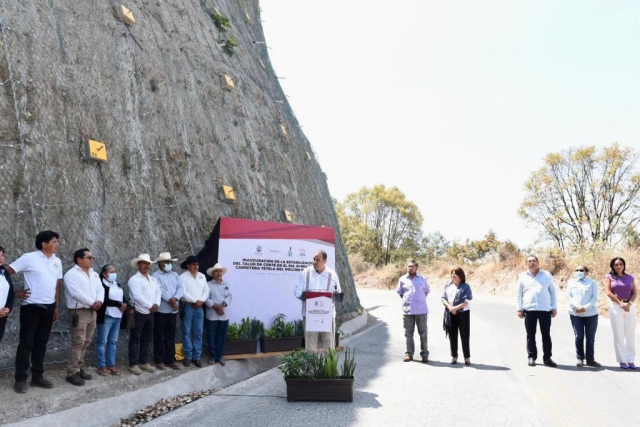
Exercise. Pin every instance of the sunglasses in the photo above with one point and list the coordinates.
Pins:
(580, 270)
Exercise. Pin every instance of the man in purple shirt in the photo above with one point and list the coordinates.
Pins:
(413, 289)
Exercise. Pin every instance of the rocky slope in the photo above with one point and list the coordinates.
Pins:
(157, 94)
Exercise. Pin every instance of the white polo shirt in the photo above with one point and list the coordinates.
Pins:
(144, 292)
(82, 290)
(195, 288)
(41, 275)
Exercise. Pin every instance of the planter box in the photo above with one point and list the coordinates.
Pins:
(320, 390)
(241, 346)
(269, 345)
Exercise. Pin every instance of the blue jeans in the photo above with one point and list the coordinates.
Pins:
(192, 322)
(107, 339)
(217, 336)
(581, 326)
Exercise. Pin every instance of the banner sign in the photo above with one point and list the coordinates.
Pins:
(319, 312)
(265, 260)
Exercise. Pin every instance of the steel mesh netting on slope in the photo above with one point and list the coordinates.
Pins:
(72, 71)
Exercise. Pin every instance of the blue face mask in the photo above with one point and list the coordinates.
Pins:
(579, 275)
(168, 267)
(112, 277)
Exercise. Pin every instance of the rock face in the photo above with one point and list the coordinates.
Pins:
(181, 113)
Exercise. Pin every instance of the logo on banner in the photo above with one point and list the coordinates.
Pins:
(289, 252)
(303, 253)
(259, 250)
(319, 303)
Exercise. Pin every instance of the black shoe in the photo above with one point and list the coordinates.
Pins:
(425, 360)
(222, 362)
(85, 376)
(75, 379)
(20, 387)
(197, 363)
(594, 364)
(580, 363)
(454, 361)
(532, 361)
(550, 363)
(186, 363)
(41, 382)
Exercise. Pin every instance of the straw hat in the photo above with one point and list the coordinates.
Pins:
(218, 266)
(141, 257)
(165, 256)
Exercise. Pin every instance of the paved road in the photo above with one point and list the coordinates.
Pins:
(498, 389)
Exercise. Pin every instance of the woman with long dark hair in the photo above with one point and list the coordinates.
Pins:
(455, 298)
(621, 290)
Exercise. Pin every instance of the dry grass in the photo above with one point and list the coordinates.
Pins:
(499, 277)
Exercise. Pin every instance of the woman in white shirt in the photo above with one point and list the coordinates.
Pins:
(582, 293)
(109, 319)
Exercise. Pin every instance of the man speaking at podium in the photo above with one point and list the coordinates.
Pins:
(319, 283)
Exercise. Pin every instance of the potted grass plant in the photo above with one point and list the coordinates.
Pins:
(282, 335)
(316, 377)
(243, 338)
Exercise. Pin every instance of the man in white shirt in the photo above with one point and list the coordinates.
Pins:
(165, 319)
(537, 303)
(84, 294)
(40, 298)
(319, 278)
(144, 294)
(196, 292)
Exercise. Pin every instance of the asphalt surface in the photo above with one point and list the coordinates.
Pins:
(497, 389)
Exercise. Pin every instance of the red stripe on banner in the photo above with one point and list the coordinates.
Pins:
(313, 294)
(236, 228)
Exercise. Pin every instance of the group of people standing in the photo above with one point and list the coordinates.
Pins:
(413, 288)
(537, 304)
(98, 301)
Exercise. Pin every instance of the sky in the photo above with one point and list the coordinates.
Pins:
(456, 103)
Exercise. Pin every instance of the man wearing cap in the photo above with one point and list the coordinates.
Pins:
(40, 298)
(217, 315)
(319, 278)
(145, 296)
(84, 294)
(164, 320)
(196, 292)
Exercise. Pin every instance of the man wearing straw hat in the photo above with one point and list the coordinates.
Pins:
(217, 317)
(144, 293)
(164, 320)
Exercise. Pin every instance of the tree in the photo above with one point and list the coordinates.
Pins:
(583, 195)
(434, 246)
(380, 224)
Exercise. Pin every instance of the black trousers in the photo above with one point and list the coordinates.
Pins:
(140, 339)
(35, 328)
(531, 320)
(164, 337)
(3, 324)
(460, 321)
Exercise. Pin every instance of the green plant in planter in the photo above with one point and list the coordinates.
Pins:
(318, 366)
(248, 329)
(281, 329)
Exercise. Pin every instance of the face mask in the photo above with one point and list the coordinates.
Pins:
(113, 277)
(579, 275)
(168, 267)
